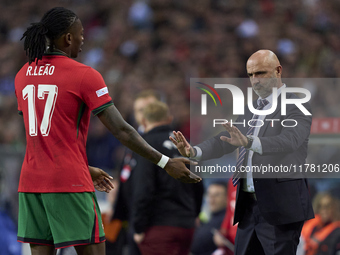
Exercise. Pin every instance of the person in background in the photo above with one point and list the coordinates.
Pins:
(122, 206)
(203, 243)
(321, 235)
(143, 99)
(163, 210)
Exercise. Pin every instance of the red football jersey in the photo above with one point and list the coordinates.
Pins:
(56, 98)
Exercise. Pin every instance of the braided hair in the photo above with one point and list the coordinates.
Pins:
(53, 24)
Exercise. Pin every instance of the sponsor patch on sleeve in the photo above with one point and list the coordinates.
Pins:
(102, 92)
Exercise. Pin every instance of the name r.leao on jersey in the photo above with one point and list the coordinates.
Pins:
(40, 70)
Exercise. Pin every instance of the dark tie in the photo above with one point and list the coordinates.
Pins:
(236, 177)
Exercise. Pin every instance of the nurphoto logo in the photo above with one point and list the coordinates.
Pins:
(239, 102)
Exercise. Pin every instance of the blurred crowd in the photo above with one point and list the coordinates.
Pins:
(161, 44)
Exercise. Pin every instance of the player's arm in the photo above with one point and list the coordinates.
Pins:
(129, 137)
(212, 148)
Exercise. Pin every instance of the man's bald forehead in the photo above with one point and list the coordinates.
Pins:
(265, 56)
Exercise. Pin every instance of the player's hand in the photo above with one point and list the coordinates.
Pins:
(182, 144)
(101, 179)
(236, 137)
(138, 238)
(176, 168)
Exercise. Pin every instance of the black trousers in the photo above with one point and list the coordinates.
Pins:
(255, 236)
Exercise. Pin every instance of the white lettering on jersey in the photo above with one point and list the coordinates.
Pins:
(39, 71)
(29, 69)
(102, 92)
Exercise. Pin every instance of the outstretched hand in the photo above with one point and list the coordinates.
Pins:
(176, 168)
(236, 137)
(101, 179)
(182, 144)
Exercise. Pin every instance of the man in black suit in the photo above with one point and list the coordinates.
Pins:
(270, 211)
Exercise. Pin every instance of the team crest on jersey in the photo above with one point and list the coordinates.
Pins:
(102, 92)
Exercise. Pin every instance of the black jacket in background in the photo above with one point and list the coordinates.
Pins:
(159, 199)
(203, 243)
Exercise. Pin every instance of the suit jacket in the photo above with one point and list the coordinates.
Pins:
(283, 198)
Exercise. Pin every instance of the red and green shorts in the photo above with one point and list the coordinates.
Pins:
(59, 219)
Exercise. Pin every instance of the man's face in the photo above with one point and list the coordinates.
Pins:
(217, 198)
(139, 105)
(263, 76)
(77, 38)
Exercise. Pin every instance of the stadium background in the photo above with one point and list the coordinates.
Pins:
(160, 44)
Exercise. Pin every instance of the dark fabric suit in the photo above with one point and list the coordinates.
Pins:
(283, 198)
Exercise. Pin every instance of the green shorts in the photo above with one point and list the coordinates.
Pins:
(60, 219)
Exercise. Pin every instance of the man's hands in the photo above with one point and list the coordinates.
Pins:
(236, 137)
(185, 149)
(101, 180)
(176, 168)
(182, 145)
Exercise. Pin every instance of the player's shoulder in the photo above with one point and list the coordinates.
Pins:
(75, 64)
(85, 68)
(85, 73)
